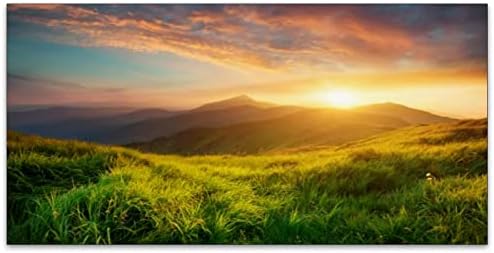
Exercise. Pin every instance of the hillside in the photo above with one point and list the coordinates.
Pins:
(254, 127)
(368, 191)
(410, 115)
(149, 129)
(302, 128)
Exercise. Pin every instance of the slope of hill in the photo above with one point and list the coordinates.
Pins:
(302, 128)
(411, 115)
(369, 191)
(149, 129)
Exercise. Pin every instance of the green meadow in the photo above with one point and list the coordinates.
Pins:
(371, 191)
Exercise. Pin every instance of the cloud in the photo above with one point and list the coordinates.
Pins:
(323, 38)
(34, 90)
(30, 90)
(41, 81)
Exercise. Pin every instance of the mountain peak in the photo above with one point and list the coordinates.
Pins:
(241, 100)
(242, 97)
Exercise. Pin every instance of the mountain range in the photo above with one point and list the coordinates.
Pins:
(239, 125)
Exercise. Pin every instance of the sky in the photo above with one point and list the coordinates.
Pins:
(431, 57)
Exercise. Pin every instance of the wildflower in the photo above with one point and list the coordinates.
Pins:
(430, 177)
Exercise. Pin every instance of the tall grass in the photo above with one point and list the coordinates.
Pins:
(369, 191)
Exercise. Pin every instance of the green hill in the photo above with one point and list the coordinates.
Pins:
(367, 191)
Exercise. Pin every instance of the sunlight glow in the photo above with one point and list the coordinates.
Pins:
(342, 99)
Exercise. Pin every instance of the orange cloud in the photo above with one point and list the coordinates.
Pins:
(317, 38)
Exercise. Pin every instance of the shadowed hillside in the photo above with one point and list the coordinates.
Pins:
(303, 128)
(376, 190)
(209, 133)
(153, 128)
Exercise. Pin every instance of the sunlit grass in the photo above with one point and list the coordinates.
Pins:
(369, 191)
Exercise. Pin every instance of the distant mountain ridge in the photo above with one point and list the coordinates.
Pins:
(230, 117)
(78, 123)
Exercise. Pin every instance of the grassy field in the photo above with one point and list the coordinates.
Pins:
(369, 191)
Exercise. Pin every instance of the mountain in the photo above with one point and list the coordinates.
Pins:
(143, 114)
(242, 100)
(307, 127)
(124, 125)
(57, 114)
(79, 123)
(410, 115)
(149, 129)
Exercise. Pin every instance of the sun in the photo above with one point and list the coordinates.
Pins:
(341, 99)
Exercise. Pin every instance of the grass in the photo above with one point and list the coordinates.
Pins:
(371, 191)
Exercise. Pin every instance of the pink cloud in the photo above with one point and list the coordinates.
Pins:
(272, 37)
